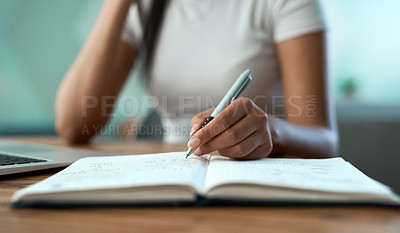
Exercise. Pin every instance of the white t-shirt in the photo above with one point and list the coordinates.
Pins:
(205, 44)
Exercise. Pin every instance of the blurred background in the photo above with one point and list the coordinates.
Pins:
(40, 39)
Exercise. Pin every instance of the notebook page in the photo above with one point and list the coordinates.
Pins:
(126, 171)
(333, 174)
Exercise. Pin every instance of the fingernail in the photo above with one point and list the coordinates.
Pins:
(193, 129)
(194, 142)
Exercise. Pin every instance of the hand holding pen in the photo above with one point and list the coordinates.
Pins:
(236, 128)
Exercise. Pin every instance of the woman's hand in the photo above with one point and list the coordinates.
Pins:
(240, 131)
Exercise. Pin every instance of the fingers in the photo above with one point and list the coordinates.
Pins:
(199, 119)
(258, 153)
(235, 134)
(256, 146)
(228, 117)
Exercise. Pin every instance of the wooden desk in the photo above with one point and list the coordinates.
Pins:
(183, 219)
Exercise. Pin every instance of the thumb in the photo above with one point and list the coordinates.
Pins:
(199, 119)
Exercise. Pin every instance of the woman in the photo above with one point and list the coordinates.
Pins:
(197, 48)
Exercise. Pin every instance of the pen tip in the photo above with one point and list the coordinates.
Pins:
(189, 152)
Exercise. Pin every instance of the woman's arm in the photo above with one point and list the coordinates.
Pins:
(244, 131)
(99, 71)
(310, 129)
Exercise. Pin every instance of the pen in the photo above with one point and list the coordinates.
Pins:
(239, 85)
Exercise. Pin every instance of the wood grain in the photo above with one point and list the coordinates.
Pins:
(277, 219)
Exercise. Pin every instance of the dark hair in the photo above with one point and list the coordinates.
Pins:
(152, 23)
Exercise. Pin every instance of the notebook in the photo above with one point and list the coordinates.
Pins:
(170, 179)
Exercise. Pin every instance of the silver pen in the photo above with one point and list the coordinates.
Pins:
(237, 88)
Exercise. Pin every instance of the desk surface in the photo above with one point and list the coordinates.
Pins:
(182, 219)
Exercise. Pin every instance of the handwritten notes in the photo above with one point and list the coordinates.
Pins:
(171, 177)
(315, 174)
(128, 171)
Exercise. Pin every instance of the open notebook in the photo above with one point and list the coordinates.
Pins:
(168, 178)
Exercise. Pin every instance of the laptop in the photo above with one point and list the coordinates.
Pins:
(18, 157)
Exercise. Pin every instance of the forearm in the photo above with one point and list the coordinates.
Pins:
(92, 75)
(291, 140)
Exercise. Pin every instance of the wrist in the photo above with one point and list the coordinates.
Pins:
(277, 148)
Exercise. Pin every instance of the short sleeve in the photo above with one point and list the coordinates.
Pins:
(132, 31)
(294, 18)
